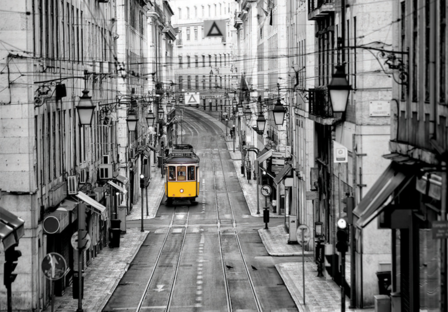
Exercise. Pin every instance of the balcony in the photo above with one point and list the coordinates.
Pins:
(319, 106)
(318, 9)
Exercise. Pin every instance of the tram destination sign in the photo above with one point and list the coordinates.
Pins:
(439, 229)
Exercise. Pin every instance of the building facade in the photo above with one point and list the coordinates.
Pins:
(100, 52)
(410, 196)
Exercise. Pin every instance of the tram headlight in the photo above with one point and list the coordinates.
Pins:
(181, 190)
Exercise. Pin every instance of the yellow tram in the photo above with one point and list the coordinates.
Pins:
(182, 174)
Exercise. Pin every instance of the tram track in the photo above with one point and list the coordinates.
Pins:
(257, 301)
(171, 226)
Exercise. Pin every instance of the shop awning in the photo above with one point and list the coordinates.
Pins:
(122, 179)
(13, 221)
(394, 179)
(96, 205)
(263, 155)
(282, 174)
(123, 190)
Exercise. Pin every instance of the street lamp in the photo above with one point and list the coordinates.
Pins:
(85, 109)
(132, 120)
(150, 118)
(247, 112)
(339, 90)
(261, 123)
(279, 113)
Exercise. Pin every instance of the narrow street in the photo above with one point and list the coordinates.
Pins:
(209, 256)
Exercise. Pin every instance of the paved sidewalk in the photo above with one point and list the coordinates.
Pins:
(106, 270)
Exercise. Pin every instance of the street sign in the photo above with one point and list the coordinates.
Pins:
(74, 241)
(215, 28)
(54, 266)
(266, 190)
(303, 232)
(192, 98)
(340, 153)
(439, 229)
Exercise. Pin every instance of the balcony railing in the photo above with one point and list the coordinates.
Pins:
(320, 8)
(319, 103)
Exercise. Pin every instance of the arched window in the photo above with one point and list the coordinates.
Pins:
(203, 60)
(225, 60)
(204, 82)
(210, 60)
(196, 83)
(188, 61)
(188, 33)
(196, 61)
(180, 61)
(188, 82)
(210, 81)
(195, 11)
(180, 13)
(188, 12)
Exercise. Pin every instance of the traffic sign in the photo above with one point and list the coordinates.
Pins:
(303, 232)
(215, 28)
(54, 266)
(74, 241)
(266, 190)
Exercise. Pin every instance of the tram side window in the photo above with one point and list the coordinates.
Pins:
(181, 173)
(172, 173)
(191, 173)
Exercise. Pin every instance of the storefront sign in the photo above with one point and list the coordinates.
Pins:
(439, 229)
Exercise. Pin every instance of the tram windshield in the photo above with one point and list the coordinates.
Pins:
(172, 173)
(191, 173)
(181, 173)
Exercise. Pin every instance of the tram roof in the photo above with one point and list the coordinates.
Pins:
(182, 160)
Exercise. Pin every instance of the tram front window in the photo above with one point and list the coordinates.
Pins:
(172, 173)
(191, 173)
(181, 173)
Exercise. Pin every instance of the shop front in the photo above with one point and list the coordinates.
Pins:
(407, 199)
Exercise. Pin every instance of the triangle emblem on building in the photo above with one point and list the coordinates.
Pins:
(214, 31)
(192, 99)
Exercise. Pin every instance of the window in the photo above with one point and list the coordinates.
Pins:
(210, 60)
(191, 173)
(180, 83)
(203, 60)
(188, 33)
(188, 61)
(196, 61)
(180, 61)
(180, 13)
(196, 82)
(225, 60)
(220, 60)
(203, 11)
(210, 81)
(204, 84)
(216, 60)
(216, 13)
(195, 12)
(171, 173)
(189, 83)
(181, 173)
(220, 9)
(188, 12)
(209, 11)
(195, 33)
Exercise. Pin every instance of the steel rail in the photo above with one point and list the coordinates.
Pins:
(257, 300)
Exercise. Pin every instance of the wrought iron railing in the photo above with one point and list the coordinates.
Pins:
(316, 4)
